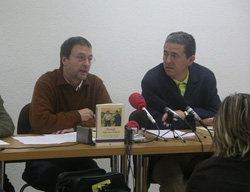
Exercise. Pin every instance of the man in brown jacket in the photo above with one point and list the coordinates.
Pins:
(63, 99)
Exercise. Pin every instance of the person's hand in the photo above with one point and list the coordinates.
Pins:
(164, 117)
(180, 113)
(86, 114)
(64, 131)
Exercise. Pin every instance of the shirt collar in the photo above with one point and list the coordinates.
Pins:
(184, 81)
(78, 87)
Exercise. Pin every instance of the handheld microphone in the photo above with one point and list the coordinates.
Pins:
(138, 102)
(161, 106)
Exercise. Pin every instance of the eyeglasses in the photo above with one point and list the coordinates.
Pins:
(83, 58)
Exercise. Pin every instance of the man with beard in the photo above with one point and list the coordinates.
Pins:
(62, 100)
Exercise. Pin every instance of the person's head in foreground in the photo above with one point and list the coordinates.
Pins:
(232, 127)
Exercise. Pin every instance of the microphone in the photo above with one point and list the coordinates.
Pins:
(184, 105)
(136, 136)
(191, 111)
(138, 102)
(133, 125)
(161, 106)
(196, 116)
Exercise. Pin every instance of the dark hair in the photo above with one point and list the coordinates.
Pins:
(184, 39)
(67, 46)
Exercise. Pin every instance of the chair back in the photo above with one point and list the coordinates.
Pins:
(23, 123)
(139, 118)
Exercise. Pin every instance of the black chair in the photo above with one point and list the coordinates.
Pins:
(139, 118)
(24, 127)
(23, 123)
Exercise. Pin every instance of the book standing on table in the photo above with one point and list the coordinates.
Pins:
(110, 124)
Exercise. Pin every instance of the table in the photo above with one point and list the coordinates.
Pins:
(140, 150)
(64, 151)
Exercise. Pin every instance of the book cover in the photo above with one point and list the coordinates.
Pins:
(110, 124)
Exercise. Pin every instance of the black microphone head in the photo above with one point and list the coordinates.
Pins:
(180, 102)
(158, 104)
(162, 107)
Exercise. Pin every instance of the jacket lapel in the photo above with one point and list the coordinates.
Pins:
(191, 84)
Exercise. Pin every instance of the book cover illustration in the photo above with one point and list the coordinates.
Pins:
(110, 124)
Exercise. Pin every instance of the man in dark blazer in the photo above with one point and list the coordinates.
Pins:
(179, 74)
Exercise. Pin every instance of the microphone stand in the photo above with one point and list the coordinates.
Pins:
(156, 137)
(169, 120)
(190, 119)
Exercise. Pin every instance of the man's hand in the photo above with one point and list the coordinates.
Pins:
(86, 114)
(164, 117)
(64, 131)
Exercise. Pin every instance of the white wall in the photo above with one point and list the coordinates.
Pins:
(127, 39)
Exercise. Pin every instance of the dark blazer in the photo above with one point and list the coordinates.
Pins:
(201, 91)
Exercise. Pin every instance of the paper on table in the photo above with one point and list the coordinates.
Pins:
(47, 139)
(3, 143)
(164, 134)
(66, 137)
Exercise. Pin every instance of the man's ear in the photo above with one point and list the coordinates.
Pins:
(191, 59)
(64, 60)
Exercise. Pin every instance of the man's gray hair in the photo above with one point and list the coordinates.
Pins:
(184, 39)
